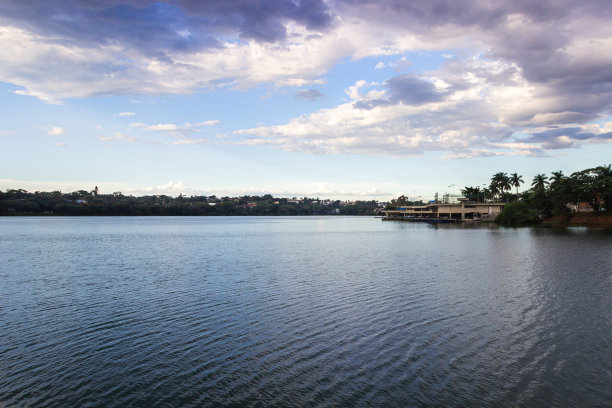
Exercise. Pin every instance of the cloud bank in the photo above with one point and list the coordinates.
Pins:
(521, 78)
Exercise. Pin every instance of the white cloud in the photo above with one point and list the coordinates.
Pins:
(207, 123)
(73, 71)
(478, 116)
(506, 77)
(124, 114)
(61, 145)
(56, 131)
(380, 190)
(163, 127)
(171, 188)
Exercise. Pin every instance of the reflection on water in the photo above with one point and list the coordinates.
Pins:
(313, 311)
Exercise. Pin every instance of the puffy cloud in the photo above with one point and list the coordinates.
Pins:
(160, 27)
(56, 131)
(412, 91)
(516, 67)
(404, 89)
(125, 114)
(170, 188)
(477, 112)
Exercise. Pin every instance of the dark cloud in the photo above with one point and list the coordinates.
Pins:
(310, 94)
(574, 133)
(371, 104)
(554, 133)
(405, 89)
(412, 91)
(533, 36)
(157, 27)
(487, 14)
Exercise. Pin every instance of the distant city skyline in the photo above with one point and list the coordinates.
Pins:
(331, 99)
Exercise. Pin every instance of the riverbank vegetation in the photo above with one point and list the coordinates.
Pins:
(550, 197)
(21, 202)
(557, 196)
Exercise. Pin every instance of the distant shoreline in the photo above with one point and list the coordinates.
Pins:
(589, 219)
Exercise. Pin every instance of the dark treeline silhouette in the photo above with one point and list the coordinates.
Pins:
(21, 202)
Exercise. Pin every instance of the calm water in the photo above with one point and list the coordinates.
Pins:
(335, 311)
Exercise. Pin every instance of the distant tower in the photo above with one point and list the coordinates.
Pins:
(436, 198)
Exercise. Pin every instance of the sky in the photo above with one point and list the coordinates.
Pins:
(343, 99)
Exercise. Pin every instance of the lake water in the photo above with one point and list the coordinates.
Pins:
(302, 311)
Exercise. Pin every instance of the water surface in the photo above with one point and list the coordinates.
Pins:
(302, 311)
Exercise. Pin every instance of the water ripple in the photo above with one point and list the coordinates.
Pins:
(311, 312)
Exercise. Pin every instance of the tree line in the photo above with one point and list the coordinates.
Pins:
(82, 202)
(557, 194)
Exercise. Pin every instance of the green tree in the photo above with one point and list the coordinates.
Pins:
(516, 180)
(516, 213)
(471, 193)
(604, 180)
(500, 182)
(556, 179)
(540, 181)
(594, 186)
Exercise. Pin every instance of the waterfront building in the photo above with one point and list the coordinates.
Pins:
(462, 210)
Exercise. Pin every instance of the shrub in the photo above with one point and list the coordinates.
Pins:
(516, 213)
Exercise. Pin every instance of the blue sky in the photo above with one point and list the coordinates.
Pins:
(351, 99)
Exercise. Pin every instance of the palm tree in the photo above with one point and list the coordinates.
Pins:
(494, 190)
(556, 179)
(500, 182)
(539, 181)
(516, 180)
